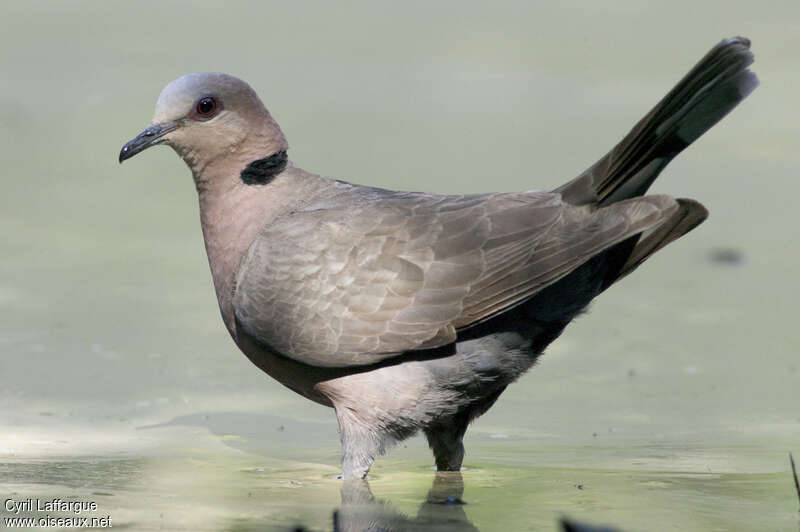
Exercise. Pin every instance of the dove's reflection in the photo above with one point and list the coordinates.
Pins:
(443, 510)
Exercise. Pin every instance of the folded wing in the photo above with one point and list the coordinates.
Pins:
(367, 277)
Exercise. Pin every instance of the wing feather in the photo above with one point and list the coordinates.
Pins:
(364, 278)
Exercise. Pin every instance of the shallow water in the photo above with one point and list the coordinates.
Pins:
(671, 405)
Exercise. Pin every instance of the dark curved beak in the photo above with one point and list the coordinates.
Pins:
(149, 137)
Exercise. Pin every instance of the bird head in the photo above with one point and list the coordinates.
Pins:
(208, 117)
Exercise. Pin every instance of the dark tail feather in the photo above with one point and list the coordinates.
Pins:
(706, 94)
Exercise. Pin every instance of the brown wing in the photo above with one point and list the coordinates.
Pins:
(689, 215)
(356, 283)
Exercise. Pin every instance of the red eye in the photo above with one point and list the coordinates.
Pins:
(206, 106)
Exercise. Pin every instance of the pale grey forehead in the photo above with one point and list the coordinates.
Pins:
(179, 96)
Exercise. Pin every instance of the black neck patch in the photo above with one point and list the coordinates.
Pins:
(262, 171)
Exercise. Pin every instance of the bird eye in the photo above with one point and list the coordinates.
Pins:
(206, 106)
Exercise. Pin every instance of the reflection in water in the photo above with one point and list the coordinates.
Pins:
(443, 510)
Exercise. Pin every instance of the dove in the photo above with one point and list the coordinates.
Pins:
(409, 311)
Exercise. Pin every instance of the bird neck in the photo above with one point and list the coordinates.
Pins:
(232, 213)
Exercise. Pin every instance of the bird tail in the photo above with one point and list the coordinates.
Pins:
(706, 94)
(701, 99)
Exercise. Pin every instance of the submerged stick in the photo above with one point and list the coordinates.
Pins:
(794, 473)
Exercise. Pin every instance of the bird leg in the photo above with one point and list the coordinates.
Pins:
(445, 436)
(360, 444)
(445, 439)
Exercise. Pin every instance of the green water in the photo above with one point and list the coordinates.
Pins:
(671, 405)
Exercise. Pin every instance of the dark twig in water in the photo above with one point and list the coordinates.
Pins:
(794, 474)
(568, 525)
